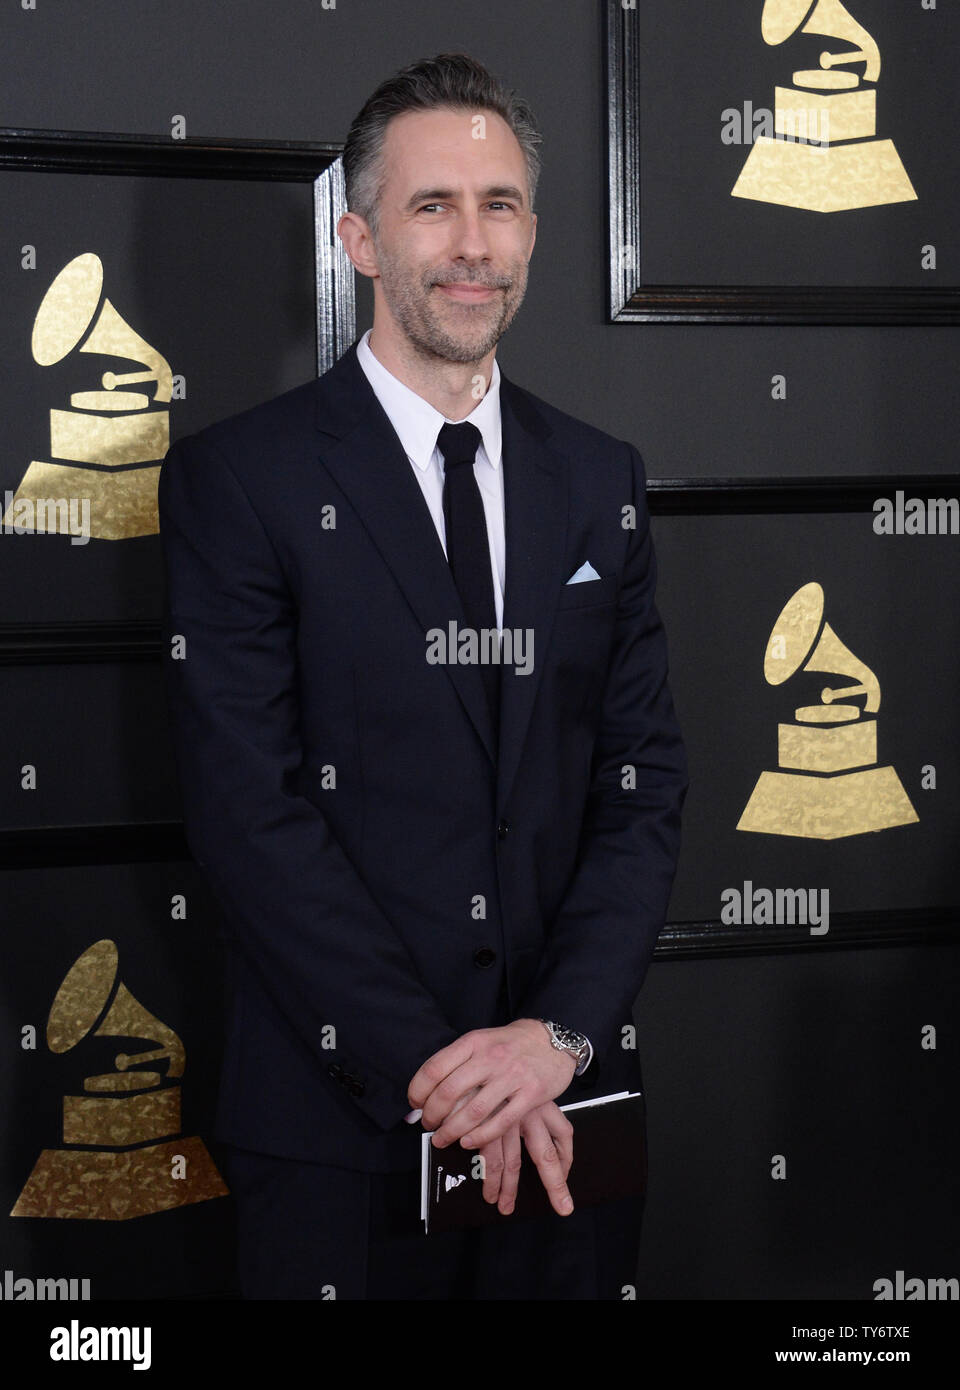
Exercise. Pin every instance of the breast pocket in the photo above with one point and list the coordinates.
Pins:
(587, 593)
(583, 628)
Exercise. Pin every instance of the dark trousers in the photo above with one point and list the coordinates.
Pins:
(309, 1231)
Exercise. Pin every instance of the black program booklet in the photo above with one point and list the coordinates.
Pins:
(609, 1161)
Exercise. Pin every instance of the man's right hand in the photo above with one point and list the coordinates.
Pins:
(548, 1136)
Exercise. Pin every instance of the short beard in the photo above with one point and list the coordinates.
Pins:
(408, 298)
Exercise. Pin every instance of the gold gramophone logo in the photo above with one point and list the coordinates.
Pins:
(122, 1153)
(837, 162)
(108, 435)
(829, 784)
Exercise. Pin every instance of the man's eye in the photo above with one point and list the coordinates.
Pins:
(498, 204)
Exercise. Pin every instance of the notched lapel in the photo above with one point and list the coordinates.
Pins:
(363, 453)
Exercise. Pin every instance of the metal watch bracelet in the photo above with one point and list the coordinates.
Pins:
(567, 1040)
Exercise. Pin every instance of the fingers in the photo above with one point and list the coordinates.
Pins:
(548, 1135)
(464, 1098)
(501, 1170)
(495, 1064)
(543, 1149)
(512, 1155)
(494, 1126)
(561, 1131)
(492, 1155)
(437, 1068)
(479, 1116)
(447, 1096)
(462, 1101)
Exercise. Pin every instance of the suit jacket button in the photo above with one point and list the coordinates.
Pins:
(335, 1070)
(357, 1087)
(484, 958)
(502, 828)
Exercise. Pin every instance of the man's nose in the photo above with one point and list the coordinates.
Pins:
(468, 237)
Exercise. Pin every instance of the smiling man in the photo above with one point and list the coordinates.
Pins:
(442, 877)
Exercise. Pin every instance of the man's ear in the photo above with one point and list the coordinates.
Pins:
(533, 233)
(357, 240)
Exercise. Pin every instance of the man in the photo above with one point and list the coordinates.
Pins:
(435, 786)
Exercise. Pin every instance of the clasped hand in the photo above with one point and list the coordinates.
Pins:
(491, 1089)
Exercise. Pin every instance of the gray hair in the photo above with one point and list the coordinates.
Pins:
(448, 80)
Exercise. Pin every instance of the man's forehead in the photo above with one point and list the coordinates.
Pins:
(415, 136)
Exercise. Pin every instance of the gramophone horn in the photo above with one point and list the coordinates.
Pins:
(66, 313)
(794, 634)
(781, 18)
(82, 997)
(67, 309)
(829, 18)
(794, 639)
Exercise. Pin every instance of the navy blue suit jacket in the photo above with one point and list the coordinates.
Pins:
(387, 882)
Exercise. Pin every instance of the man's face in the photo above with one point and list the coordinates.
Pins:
(455, 231)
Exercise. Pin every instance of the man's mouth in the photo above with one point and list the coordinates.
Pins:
(468, 294)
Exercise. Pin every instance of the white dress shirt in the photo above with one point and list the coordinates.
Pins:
(417, 424)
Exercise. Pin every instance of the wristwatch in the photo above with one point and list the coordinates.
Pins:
(566, 1040)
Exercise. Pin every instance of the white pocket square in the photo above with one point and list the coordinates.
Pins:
(586, 571)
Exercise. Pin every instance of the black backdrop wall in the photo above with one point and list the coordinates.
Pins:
(787, 1045)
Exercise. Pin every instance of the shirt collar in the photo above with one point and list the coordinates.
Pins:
(417, 422)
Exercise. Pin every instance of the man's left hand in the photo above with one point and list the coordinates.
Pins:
(512, 1070)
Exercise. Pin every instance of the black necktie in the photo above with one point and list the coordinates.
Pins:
(468, 550)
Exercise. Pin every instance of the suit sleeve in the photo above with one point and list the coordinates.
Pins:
(294, 904)
(600, 944)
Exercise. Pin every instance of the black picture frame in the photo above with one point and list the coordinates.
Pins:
(24, 644)
(87, 152)
(631, 301)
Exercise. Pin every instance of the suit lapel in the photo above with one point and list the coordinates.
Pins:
(361, 450)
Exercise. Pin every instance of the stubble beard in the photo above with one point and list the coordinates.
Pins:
(414, 300)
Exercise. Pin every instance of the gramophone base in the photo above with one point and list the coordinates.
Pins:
(123, 501)
(831, 178)
(112, 1185)
(827, 808)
